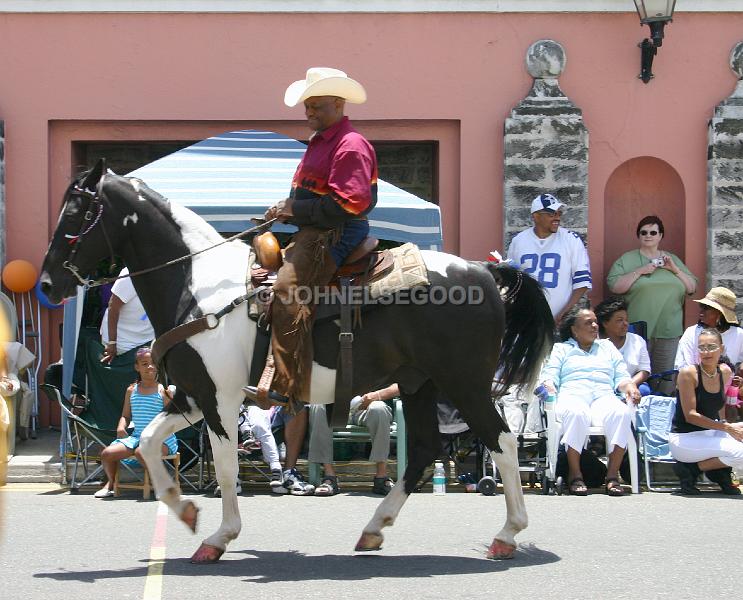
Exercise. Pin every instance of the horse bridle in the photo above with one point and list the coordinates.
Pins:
(96, 205)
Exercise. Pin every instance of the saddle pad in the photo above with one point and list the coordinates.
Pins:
(409, 271)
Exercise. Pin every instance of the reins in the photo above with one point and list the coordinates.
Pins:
(95, 197)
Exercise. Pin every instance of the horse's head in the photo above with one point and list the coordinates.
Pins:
(80, 240)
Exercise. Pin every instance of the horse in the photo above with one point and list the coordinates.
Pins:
(441, 346)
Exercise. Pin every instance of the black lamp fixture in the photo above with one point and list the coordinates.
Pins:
(654, 13)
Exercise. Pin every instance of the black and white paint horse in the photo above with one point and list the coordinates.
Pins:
(431, 348)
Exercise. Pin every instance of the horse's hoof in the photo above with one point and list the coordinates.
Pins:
(500, 550)
(368, 542)
(190, 515)
(206, 555)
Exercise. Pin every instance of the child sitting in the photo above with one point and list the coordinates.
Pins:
(142, 402)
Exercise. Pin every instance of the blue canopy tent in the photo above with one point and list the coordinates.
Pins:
(235, 176)
(232, 177)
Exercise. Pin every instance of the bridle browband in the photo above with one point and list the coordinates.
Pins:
(96, 206)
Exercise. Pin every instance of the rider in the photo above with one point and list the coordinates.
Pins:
(333, 189)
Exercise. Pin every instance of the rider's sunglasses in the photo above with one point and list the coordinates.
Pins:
(708, 348)
(646, 232)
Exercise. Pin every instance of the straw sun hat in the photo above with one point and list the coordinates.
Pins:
(324, 81)
(723, 300)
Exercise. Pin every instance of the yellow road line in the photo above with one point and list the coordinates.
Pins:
(32, 487)
(153, 585)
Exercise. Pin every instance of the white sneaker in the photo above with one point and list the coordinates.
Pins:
(104, 493)
(295, 484)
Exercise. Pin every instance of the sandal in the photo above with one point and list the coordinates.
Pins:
(613, 487)
(328, 486)
(577, 487)
(382, 485)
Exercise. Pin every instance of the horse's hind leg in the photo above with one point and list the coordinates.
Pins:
(424, 444)
(151, 447)
(485, 421)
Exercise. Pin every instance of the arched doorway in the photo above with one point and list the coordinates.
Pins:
(638, 187)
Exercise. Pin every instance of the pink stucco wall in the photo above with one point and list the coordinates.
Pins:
(450, 77)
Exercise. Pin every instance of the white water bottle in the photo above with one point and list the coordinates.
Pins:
(439, 479)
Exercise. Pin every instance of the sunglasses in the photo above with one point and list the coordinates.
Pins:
(708, 348)
(646, 232)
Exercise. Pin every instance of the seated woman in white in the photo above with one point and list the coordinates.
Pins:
(700, 439)
(716, 310)
(585, 372)
(614, 325)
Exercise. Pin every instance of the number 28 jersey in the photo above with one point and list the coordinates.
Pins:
(559, 262)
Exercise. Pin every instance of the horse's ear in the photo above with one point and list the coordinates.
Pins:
(94, 175)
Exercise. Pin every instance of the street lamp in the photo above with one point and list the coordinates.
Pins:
(654, 13)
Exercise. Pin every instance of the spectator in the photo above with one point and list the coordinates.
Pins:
(716, 311)
(584, 372)
(614, 325)
(125, 323)
(143, 401)
(654, 284)
(701, 440)
(15, 392)
(370, 410)
(254, 429)
(555, 256)
(295, 429)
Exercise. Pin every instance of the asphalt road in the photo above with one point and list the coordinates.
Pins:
(57, 545)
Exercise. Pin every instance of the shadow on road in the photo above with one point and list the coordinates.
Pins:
(269, 567)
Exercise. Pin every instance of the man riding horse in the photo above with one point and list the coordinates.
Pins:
(333, 189)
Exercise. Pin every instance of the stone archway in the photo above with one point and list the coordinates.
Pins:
(642, 186)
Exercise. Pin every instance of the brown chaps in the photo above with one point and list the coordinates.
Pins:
(307, 264)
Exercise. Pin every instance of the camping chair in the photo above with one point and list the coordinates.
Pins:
(356, 433)
(554, 432)
(654, 417)
(86, 439)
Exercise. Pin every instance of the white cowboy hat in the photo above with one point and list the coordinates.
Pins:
(324, 81)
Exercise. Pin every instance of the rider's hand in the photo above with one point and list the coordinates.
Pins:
(282, 210)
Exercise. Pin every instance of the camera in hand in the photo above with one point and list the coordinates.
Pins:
(658, 262)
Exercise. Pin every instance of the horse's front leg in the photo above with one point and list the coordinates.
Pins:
(504, 543)
(224, 452)
(423, 446)
(151, 448)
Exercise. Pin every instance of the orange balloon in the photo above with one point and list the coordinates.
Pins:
(19, 276)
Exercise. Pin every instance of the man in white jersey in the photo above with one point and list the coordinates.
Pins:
(554, 256)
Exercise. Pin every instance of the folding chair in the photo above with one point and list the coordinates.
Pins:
(654, 417)
(84, 443)
(554, 432)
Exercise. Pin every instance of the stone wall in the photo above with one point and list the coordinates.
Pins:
(546, 147)
(725, 188)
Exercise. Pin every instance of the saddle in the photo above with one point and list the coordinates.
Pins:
(365, 264)
(362, 266)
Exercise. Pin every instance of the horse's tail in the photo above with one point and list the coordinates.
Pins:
(529, 328)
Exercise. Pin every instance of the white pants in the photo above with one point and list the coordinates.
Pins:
(579, 411)
(257, 421)
(377, 418)
(700, 445)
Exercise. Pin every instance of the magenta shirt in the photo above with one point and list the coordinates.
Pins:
(341, 163)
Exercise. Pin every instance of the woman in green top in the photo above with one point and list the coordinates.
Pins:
(654, 284)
